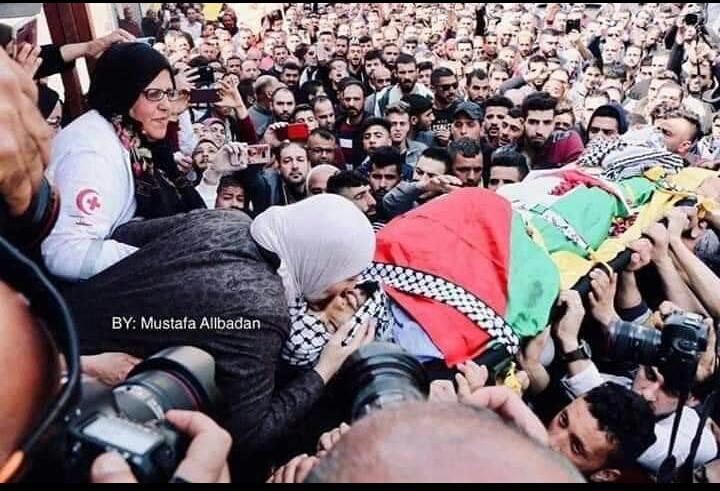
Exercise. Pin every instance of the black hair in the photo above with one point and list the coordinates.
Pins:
(373, 54)
(537, 59)
(375, 122)
(425, 65)
(344, 180)
(499, 101)
(439, 154)
(439, 73)
(405, 59)
(386, 157)
(230, 180)
(624, 415)
(350, 82)
(308, 89)
(511, 158)
(538, 101)
(290, 65)
(478, 73)
(467, 147)
(594, 63)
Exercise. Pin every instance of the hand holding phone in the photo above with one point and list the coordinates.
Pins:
(204, 96)
(295, 132)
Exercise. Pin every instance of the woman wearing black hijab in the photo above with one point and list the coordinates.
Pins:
(115, 164)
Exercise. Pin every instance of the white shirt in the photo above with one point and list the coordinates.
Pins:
(91, 171)
(653, 457)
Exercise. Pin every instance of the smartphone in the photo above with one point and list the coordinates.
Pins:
(206, 75)
(204, 96)
(296, 132)
(259, 155)
(572, 25)
(149, 41)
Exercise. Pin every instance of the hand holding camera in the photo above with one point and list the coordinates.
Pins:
(204, 462)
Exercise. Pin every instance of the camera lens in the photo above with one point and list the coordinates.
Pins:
(629, 342)
(175, 378)
(691, 19)
(382, 375)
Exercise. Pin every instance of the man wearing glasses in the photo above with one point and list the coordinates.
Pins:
(445, 86)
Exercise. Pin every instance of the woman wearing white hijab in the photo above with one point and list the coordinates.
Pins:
(210, 265)
(316, 263)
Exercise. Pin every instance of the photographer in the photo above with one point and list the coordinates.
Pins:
(583, 375)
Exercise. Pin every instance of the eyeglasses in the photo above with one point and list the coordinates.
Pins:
(157, 95)
(448, 86)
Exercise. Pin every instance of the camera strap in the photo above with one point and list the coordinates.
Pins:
(666, 474)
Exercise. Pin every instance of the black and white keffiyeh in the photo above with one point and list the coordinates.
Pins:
(309, 334)
(411, 281)
(630, 155)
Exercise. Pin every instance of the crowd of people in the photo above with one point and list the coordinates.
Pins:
(223, 171)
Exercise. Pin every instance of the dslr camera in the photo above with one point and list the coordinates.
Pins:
(676, 350)
(695, 19)
(129, 419)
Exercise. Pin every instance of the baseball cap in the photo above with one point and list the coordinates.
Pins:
(472, 110)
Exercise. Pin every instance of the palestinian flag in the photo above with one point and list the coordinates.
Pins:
(474, 268)
(464, 267)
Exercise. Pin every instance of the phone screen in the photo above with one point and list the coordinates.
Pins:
(204, 96)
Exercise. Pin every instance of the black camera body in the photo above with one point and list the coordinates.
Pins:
(675, 350)
(129, 419)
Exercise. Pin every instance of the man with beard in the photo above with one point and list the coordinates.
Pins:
(478, 86)
(324, 112)
(349, 128)
(445, 86)
(496, 110)
(464, 52)
(385, 172)
(283, 105)
(548, 43)
(286, 185)
(421, 118)
(407, 78)
(355, 187)
(535, 76)
(545, 147)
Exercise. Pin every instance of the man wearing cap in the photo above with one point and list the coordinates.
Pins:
(467, 121)
(421, 118)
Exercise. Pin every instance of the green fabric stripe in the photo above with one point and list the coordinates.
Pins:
(588, 211)
(534, 283)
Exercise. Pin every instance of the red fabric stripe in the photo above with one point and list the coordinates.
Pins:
(463, 238)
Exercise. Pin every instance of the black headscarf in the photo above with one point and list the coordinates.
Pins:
(121, 75)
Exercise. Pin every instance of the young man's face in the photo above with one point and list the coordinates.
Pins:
(677, 133)
(426, 169)
(512, 129)
(424, 77)
(464, 52)
(590, 105)
(502, 176)
(592, 78)
(465, 127)
(469, 170)
(290, 77)
(494, 117)
(575, 433)
(632, 57)
(230, 197)
(497, 78)
(390, 55)
(375, 137)
(362, 197)
(478, 90)
(355, 55)
(308, 118)
(294, 165)
(603, 128)
(648, 383)
(399, 127)
(563, 122)
(539, 125)
(382, 180)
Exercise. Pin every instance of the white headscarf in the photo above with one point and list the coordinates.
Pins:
(321, 241)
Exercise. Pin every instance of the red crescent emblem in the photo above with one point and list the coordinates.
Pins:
(88, 201)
